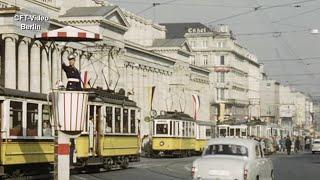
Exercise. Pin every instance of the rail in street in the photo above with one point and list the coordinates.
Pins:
(304, 165)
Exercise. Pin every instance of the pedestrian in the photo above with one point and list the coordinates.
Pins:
(72, 73)
(297, 144)
(91, 130)
(288, 145)
(308, 142)
(263, 145)
(283, 144)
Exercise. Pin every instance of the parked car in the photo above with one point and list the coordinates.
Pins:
(232, 158)
(315, 146)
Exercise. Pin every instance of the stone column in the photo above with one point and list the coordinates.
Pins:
(10, 61)
(23, 64)
(56, 65)
(35, 81)
(45, 81)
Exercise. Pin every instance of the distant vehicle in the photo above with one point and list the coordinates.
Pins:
(177, 134)
(315, 147)
(269, 147)
(233, 158)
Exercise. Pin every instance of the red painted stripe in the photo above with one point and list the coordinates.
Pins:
(85, 79)
(82, 34)
(62, 34)
(63, 149)
(45, 34)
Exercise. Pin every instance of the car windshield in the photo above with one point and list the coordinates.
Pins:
(316, 142)
(226, 149)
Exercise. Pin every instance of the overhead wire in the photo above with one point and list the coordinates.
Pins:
(290, 59)
(154, 4)
(284, 41)
(258, 8)
(296, 15)
(268, 33)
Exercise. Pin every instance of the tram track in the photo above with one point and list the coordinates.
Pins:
(167, 168)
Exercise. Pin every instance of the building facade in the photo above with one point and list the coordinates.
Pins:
(127, 58)
(235, 71)
(269, 100)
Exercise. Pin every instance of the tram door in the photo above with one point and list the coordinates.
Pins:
(94, 129)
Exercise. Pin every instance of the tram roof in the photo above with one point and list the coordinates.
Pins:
(96, 96)
(22, 94)
(111, 97)
(175, 115)
(205, 123)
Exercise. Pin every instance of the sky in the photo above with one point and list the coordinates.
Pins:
(277, 32)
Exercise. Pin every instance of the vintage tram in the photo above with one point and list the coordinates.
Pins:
(27, 137)
(176, 134)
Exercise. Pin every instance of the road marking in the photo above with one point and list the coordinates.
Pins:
(186, 167)
(146, 165)
(78, 177)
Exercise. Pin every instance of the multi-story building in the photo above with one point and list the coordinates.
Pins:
(287, 108)
(269, 100)
(129, 57)
(233, 68)
(316, 107)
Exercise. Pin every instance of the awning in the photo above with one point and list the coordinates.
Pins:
(69, 34)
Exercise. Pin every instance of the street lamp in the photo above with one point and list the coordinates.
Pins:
(314, 31)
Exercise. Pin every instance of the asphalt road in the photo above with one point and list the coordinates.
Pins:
(301, 166)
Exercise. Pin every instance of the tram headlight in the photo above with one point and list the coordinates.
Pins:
(161, 143)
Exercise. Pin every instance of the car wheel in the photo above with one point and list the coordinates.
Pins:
(313, 152)
(257, 178)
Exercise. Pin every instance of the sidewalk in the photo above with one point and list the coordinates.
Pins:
(292, 152)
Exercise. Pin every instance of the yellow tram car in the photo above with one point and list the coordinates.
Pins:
(27, 137)
(176, 134)
(111, 137)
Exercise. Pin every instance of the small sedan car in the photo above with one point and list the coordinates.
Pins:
(315, 146)
(232, 159)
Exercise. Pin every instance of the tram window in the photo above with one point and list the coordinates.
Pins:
(125, 121)
(174, 128)
(208, 132)
(162, 128)
(238, 132)
(223, 132)
(32, 119)
(243, 132)
(91, 118)
(183, 129)
(187, 129)
(133, 121)
(46, 126)
(117, 120)
(192, 130)
(231, 132)
(15, 118)
(178, 128)
(108, 119)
